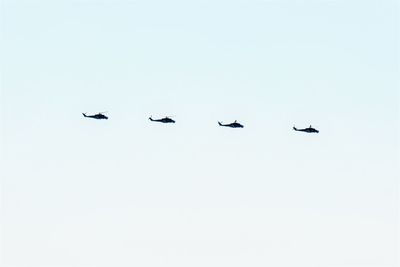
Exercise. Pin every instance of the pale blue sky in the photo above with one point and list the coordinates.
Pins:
(127, 192)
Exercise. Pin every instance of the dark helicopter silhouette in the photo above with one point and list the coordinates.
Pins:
(163, 120)
(234, 124)
(98, 116)
(307, 130)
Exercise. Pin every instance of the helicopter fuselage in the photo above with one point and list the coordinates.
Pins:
(232, 125)
(307, 130)
(163, 120)
(98, 116)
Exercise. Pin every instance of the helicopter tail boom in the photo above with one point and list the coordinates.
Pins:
(84, 115)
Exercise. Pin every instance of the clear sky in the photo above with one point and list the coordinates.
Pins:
(128, 192)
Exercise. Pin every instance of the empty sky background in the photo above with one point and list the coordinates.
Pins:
(128, 192)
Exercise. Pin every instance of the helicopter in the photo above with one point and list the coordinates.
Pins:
(98, 116)
(307, 130)
(234, 124)
(163, 120)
